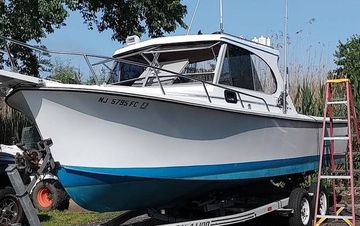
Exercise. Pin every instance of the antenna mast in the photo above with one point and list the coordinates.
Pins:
(221, 17)
(286, 77)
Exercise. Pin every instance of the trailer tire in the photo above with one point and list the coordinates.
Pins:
(324, 200)
(50, 195)
(11, 211)
(299, 201)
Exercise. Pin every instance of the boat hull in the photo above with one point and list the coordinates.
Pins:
(136, 152)
(100, 189)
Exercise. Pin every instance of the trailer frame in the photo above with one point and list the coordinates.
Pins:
(233, 218)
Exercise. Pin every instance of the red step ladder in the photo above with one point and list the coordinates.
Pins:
(331, 173)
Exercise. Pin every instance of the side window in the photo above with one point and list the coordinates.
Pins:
(114, 74)
(243, 69)
(264, 80)
(236, 70)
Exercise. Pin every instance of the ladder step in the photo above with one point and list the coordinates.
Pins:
(335, 177)
(337, 102)
(334, 217)
(342, 118)
(336, 138)
(338, 80)
(339, 117)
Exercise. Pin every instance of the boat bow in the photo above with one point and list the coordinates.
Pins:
(10, 80)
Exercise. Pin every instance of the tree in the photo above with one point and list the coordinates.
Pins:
(65, 73)
(135, 17)
(26, 20)
(347, 57)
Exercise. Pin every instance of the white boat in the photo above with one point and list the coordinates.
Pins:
(178, 116)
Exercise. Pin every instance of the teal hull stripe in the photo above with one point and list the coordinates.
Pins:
(205, 172)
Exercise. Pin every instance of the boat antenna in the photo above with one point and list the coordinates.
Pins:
(286, 77)
(192, 18)
(221, 17)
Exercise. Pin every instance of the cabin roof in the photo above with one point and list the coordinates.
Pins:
(192, 38)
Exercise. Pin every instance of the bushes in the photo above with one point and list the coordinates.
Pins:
(11, 124)
(309, 97)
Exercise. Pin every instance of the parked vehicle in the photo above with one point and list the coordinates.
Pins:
(10, 209)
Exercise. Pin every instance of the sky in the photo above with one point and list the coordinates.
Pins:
(314, 27)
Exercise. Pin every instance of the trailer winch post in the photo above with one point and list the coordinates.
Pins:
(23, 195)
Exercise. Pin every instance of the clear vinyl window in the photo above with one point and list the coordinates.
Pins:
(243, 69)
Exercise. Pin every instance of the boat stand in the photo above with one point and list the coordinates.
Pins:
(27, 167)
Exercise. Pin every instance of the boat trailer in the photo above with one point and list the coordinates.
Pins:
(233, 218)
(34, 162)
(165, 220)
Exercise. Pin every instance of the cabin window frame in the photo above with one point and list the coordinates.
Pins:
(222, 54)
(203, 45)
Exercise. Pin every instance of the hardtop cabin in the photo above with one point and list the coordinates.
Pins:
(226, 61)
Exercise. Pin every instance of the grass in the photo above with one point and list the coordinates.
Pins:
(62, 218)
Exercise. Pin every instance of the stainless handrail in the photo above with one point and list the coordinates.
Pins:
(104, 58)
(188, 77)
(86, 56)
(13, 67)
(176, 76)
(239, 93)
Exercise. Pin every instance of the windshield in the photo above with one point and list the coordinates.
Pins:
(196, 61)
(123, 71)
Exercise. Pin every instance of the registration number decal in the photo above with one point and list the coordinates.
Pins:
(123, 102)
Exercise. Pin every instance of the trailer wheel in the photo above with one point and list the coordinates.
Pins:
(324, 200)
(300, 202)
(11, 211)
(49, 195)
